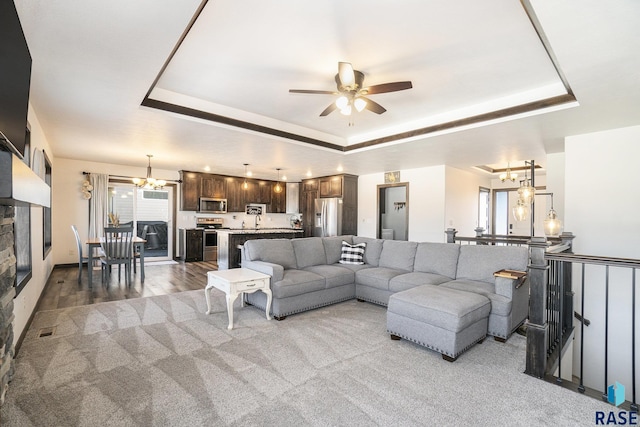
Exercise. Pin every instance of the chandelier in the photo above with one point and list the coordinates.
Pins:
(149, 182)
(508, 175)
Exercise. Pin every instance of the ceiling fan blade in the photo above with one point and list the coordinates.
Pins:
(373, 106)
(321, 92)
(329, 109)
(388, 87)
(346, 74)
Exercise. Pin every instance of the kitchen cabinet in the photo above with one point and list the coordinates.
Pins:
(189, 190)
(213, 186)
(331, 186)
(278, 200)
(309, 195)
(196, 185)
(235, 195)
(193, 245)
(263, 192)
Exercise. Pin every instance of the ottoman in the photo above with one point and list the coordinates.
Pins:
(448, 321)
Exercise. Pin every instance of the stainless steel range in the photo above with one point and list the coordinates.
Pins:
(210, 245)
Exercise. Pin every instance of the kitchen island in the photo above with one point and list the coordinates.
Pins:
(229, 240)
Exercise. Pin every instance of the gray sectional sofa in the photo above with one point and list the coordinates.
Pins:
(306, 274)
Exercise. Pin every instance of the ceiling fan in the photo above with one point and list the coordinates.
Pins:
(352, 93)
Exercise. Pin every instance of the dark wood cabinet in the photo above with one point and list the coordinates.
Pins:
(213, 186)
(190, 190)
(278, 200)
(235, 195)
(331, 186)
(195, 185)
(309, 195)
(193, 245)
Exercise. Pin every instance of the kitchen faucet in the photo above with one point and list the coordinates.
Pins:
(256, 220)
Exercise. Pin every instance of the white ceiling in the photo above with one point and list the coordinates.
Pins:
(95, 62)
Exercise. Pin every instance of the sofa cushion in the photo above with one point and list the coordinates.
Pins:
(372, 251)
(333, 247)
(297, 282)
(334, 275)
(376, 277)
(479, 262)
(411, 280)
(276, 251)
(309, 251)
(437, 258)
(352, 254)
(500, 305)
(398, 254)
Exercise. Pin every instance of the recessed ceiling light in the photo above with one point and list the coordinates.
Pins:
(283, 177)
(249, 173)
(340, 169)
(309, 173)
(207, 168)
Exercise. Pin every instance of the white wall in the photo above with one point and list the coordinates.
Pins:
(461, 199)
(602, 204)
(25, 302)
(425, 203)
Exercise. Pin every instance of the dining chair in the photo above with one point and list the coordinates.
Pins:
(117, 245)
(81, 259)
(136, 252)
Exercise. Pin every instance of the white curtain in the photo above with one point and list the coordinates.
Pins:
(98, 204)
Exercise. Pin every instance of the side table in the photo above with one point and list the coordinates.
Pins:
(234, 282)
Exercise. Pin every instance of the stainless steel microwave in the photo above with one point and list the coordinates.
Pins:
(210, 205)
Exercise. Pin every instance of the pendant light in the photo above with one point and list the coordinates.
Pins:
(149, 183)
(526, 192)
(552, 225)
(278, 188)
(520, 210)
(245, 185)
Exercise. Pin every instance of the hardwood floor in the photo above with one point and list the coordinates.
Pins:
(63, 290)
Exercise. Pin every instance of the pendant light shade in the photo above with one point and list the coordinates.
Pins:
(278, 188)
(245, 184)
(552, 225)
(520, 210)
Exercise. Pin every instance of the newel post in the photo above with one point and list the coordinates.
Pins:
(451, 235)
(537, 327)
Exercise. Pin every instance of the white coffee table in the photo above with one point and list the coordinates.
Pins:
(234, 282)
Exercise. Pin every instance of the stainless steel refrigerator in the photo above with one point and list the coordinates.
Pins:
(328, 217)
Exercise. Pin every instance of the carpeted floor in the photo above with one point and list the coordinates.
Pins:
(160, 361)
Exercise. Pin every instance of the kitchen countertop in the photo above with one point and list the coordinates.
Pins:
(259, 230)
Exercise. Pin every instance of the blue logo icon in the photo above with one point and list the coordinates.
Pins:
(615, 394)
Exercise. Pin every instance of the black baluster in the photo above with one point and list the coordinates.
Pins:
(581, 386)
(606, 334)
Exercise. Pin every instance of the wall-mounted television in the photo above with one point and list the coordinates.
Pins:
(15, 78)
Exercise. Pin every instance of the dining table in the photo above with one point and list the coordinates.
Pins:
(95, 242)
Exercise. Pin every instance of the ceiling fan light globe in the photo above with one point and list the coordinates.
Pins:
(346, 110)
(342, 102)
(360, 104)
(347, 77)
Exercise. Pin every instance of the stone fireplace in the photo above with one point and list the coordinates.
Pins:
(7, 293)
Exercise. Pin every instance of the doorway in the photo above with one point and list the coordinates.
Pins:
(504, 223)
(393, 211)
(149, 212)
